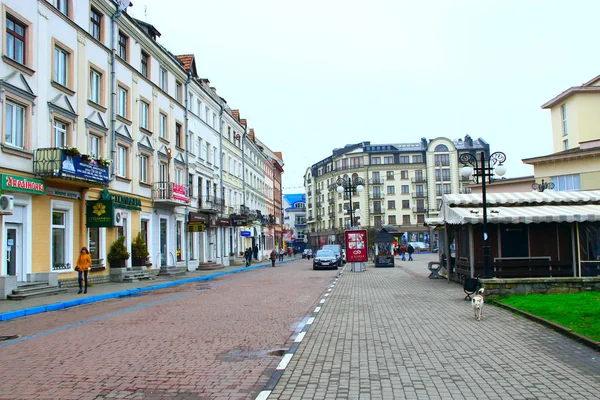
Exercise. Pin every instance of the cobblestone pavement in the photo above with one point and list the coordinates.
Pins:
(200, 340)
(391, 333)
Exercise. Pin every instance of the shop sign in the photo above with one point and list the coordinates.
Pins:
(356, 245)
(16, 183)
(69, 194)
(197, 217)
(126, 202)
(245, 233)
(223, 221)
(196, 227)
(77, 167)
(99, 214)
(238, 221)
(180, 193)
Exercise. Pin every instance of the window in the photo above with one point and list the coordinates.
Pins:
(122, 46)
(566, 182)
(178, 91)
(61, 60)
(162, 78)
(14, 128)
(144, 115)
(442, 159)
(59, 240)
(420, 219)
(403, 174)
(391, 219)
(95, 86)
(563, 114)
(199, 106)
(214, 120)
(388, 160)
(191, 103)
(95, 24)
(417, 159)
(163, 126)
(178, 136)
(61, 5)
(122, 161)
(15, 40)
(391, 190)
(446, 174)
(391, 204)
(404, 189)
(405, 204)
(94, 146)
(406, 220)
(191, 185)
(441, 147)
(178, 176)
(375, 160)
(566, 144)
(144, 163)
(60, 133)
(447, 188)
(122, 102)
(404, 159)
(206, 114)
(145, 61)
(389, 175)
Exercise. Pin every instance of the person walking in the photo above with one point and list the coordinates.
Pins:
(273, 257)
(248, 256)
(403, 252)
(410, 250)
(255, 250)
(84, 262)
(281, 254)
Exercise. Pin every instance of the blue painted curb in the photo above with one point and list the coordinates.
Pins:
(124, 293)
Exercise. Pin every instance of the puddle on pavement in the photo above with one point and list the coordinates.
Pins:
(241, 355)
(9, 337)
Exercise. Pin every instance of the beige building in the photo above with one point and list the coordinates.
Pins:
(574, 162)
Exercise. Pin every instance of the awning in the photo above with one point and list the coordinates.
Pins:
(523, 198)
(523, 215)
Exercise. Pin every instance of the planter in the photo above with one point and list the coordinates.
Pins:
(117, 264)
(138, 262)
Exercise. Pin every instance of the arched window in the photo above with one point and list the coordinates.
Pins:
(441, 147)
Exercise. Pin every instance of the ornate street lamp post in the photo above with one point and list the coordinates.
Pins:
(540, 187)
(349, 186)
(483, 174)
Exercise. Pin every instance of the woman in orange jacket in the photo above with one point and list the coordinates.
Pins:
(83, 266)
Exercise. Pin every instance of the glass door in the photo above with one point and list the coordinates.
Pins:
(163, 242)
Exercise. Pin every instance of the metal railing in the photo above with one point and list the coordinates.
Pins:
(419, 195)
(419, 179)
(68, 164)
(419, 210)
(211, 203)
(170, 192)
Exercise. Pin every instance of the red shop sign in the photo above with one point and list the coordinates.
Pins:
(356, 245)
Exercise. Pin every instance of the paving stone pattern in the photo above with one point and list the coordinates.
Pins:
(391, 333)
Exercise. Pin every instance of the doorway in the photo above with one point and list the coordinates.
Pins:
(14, 251)
(163, 242)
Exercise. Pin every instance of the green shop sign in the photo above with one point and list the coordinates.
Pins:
(16, 183)
(99, 214)
(129, 203)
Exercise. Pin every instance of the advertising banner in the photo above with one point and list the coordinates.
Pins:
(99, 214)
(21, 184)
(77, 167)
(356, 245)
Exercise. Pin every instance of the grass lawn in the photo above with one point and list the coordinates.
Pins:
(579, 312)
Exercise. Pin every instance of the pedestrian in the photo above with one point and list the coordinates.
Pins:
(410, 250)
(403, 252)
(281, 254)
(255, 252)
(309, 254)
(82, 267)
(289, 251)
(273, 257)
(248, 256)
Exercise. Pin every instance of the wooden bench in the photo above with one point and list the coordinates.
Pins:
(434, 268)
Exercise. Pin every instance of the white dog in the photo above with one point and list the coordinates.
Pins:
(477, 303)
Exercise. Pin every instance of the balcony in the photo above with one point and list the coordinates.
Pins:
(419, 179)
(68, 164)
(419, 210)
(419, 195)
(319, 203)
(331, 201)
(211, 204)
(377, 211)
(376, 181)
(376, 196)
(318, 191)
(170, 194)
(268, 220)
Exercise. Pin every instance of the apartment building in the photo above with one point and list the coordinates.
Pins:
(402, 185)
(273, 190)
(573, 164)
(294, 219)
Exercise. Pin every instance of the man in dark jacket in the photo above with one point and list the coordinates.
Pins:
(255, 250)
(410, 250)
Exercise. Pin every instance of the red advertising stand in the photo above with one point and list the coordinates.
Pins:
(356, 249)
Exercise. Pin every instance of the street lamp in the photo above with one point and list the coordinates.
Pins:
(348, 186)
(483, 174)
(540, 187)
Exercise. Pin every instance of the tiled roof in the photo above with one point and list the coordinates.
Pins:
(186, 60)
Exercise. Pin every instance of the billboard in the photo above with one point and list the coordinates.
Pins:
(356, 245)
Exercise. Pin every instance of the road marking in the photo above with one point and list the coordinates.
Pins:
(322, 301)
(310, 321)
(285, 361)
(317, 309)
(300, 337)
(264, 395)
(326, 294)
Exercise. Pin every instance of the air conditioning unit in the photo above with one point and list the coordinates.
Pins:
(7, 204)
(119, 218)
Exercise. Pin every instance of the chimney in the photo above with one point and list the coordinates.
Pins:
(214, 89)
(468, 141)
(236, 114)
(251, 134)
(278, 155)
(424, 142)
(244, 123)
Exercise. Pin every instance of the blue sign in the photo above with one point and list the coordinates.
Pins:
(245, 233)
(77, 167)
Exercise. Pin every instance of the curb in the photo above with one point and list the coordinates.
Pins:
(274, 379)
(552, 325)
(123, 293)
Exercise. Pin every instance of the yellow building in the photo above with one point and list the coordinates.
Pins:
(574, 163)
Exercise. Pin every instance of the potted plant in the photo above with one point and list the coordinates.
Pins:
(71, 151)
(139, 251)
(103, 162)
(118, 254)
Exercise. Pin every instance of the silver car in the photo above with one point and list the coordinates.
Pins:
(325, 259)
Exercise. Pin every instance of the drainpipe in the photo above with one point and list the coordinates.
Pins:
(187, 159)
(221, 228)
(113, 91)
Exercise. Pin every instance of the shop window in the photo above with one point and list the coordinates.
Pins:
(62, 236)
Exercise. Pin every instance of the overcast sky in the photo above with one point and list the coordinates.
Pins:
(315, 75)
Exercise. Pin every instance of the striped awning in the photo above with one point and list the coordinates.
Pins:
(523, 198)
(523, 214)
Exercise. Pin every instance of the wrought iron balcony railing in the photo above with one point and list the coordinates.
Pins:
(170, 193)
(69, 164)
(211, 204)
(419, 210)
(419, 179)
(419, 195)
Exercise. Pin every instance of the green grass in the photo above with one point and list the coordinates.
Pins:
(579, 312)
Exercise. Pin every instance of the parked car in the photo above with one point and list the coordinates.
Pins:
(419, 246)
(325, 259)
(305, 253)
(337, 250)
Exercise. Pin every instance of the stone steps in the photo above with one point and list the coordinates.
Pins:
(31, 290)
(136, 276)
(172, 271)
(209, 266)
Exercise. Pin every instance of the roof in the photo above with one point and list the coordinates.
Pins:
(295, 198)
(522, 207)
(563, 155)
(587, 87)
(384, 237)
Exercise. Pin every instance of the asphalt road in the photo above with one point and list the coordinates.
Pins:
(219, 339)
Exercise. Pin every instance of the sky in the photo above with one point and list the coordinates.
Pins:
(316, 75)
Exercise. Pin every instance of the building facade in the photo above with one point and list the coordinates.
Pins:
(403, 185)
(294, 218)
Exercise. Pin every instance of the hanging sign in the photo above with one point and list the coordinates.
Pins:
(196, 227)
(245, 233)
(99, 214)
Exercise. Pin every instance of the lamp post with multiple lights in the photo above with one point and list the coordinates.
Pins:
(540, 187)
(350, 186)
(483, 171)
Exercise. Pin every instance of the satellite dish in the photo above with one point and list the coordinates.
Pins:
(123, 4)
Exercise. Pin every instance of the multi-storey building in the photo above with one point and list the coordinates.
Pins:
(573, 164)
(96, 113)
(294, 219)
(273, 188)
(403, 184)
